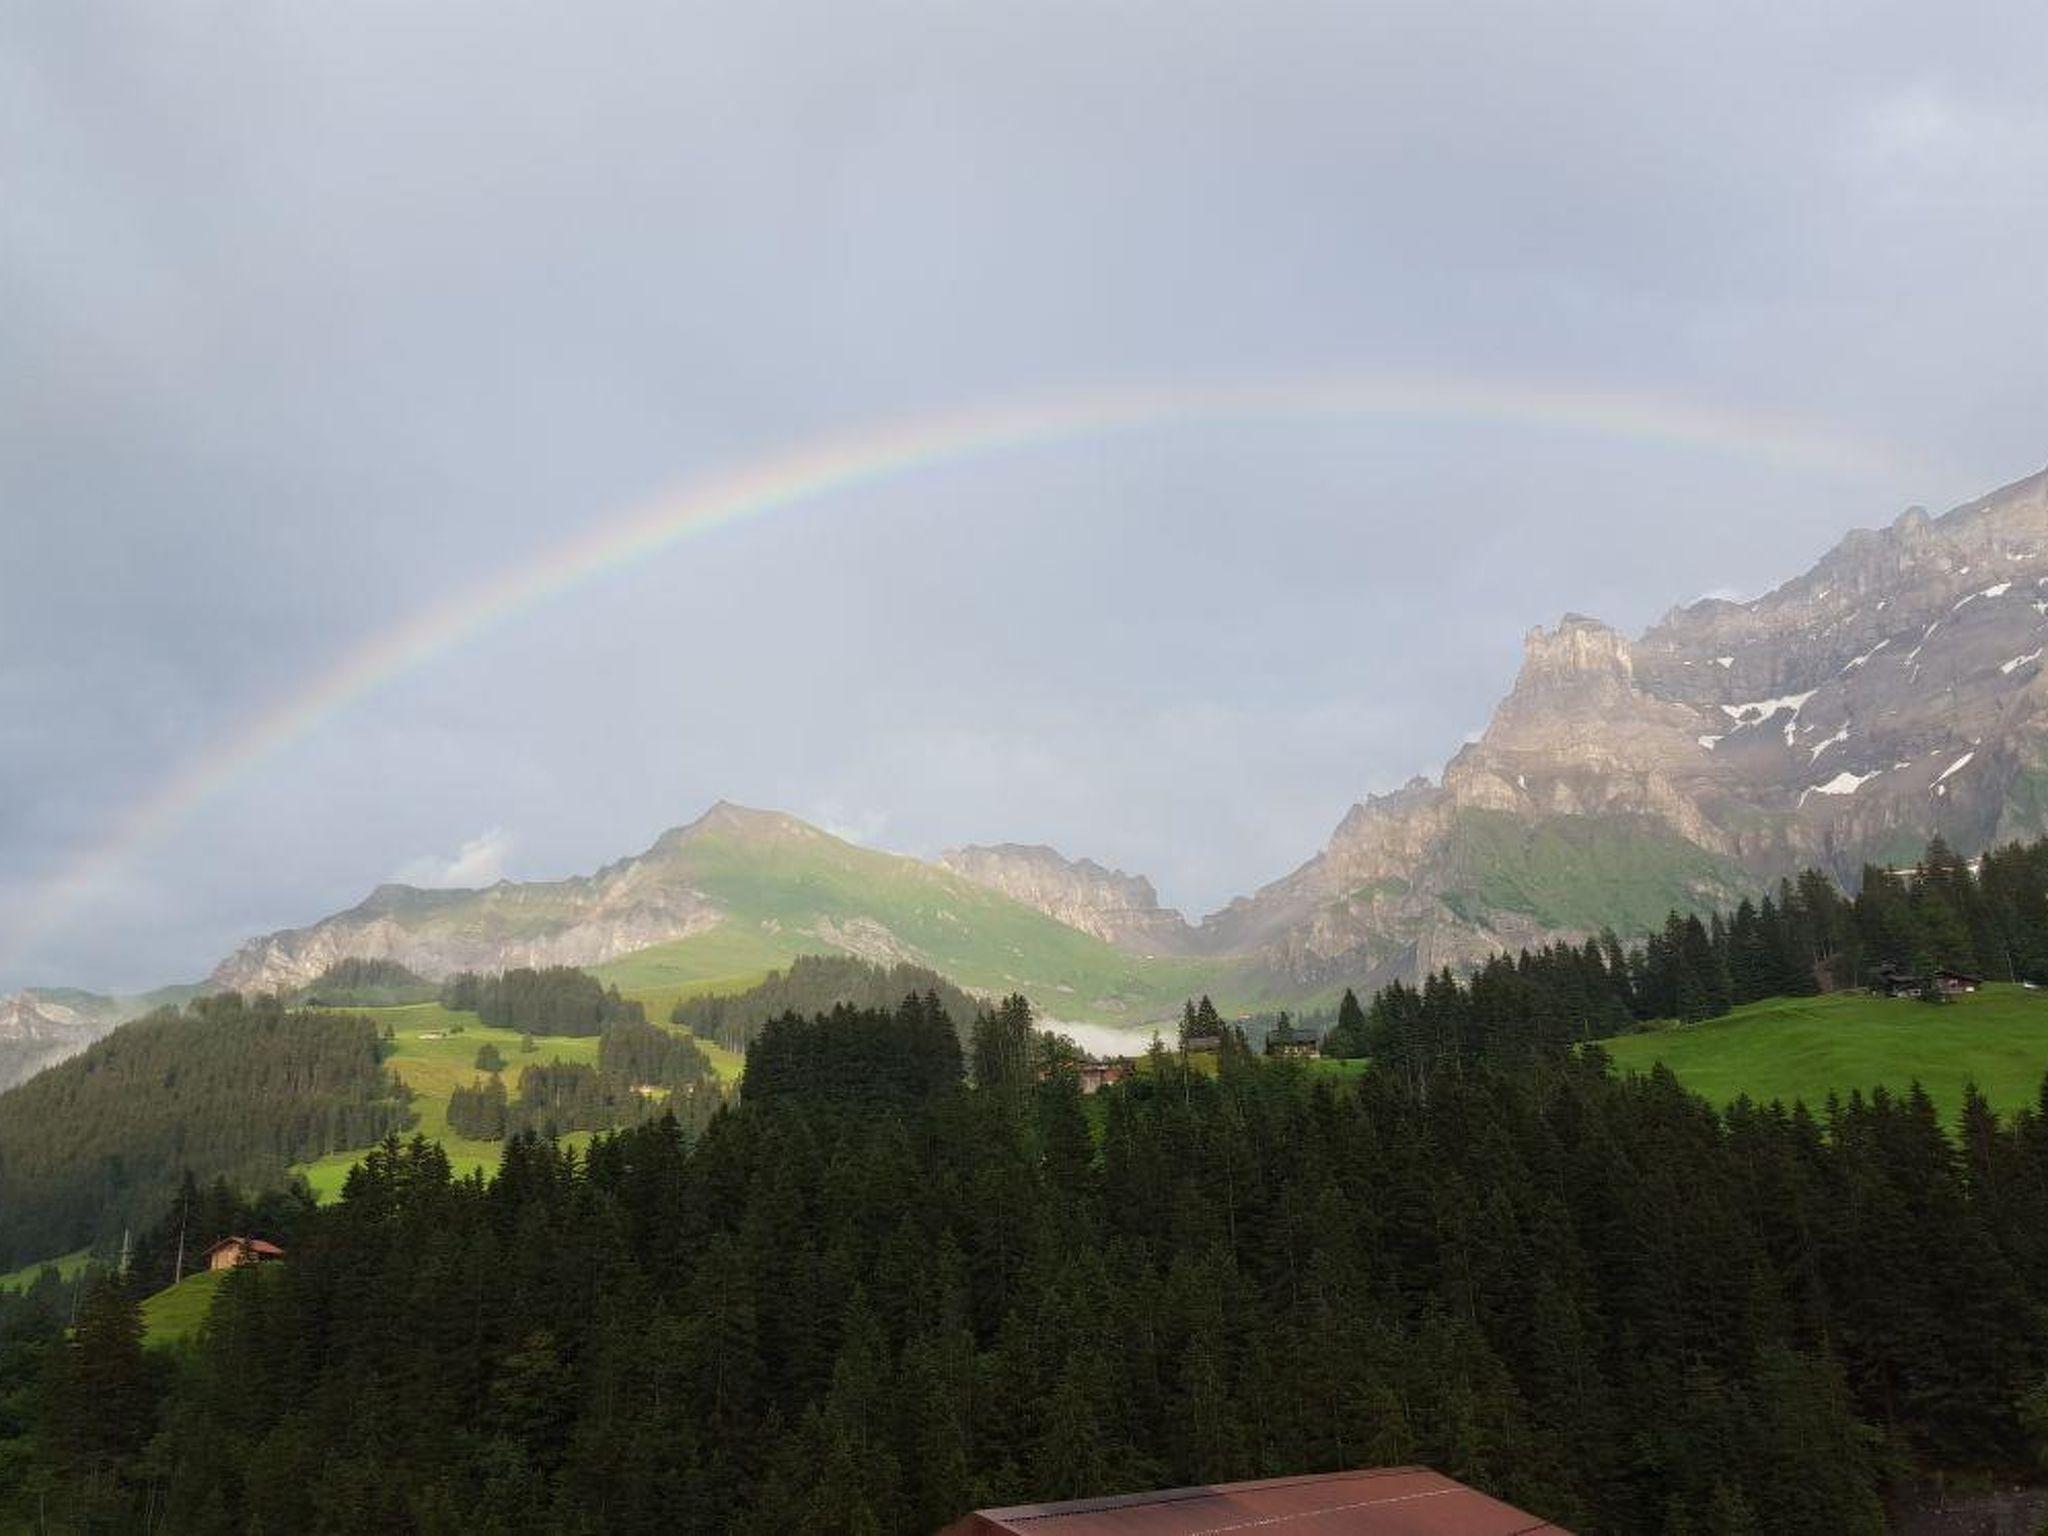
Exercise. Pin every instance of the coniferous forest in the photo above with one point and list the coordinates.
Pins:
(554, 1000)
(237, 1088)
(840, 1310)
(813, 984)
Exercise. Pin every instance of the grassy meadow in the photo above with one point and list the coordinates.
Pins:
(1808, 1047)
(175, 1313)
(67, 1267)
(433, 1052)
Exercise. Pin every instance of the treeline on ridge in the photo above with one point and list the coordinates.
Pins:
(241, 1088)
(353, 982)
(834, 1310)
(554, 1000)
(812, 985)
(1990, 920)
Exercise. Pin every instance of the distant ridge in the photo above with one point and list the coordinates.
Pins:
(734, 894)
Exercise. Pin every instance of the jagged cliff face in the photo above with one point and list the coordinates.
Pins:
(1122, 909)
(1892, 693)
(1902, 689)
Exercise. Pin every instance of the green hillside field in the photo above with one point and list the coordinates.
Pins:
(69, 1267)
(174, 1314)
(1808, 1047)
(433, 1052)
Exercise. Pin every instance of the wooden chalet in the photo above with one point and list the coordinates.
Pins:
(1893, 982)
(231, 1251)
(1292, 1040)
(1097, 1075)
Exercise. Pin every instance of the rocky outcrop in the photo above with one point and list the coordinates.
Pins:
(37, 1031)
(1122, 909)
(627, 906)
(1892, 693)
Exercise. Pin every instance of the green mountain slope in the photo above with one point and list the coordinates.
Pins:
(724, 900)
(1583, 873)
(784, 889)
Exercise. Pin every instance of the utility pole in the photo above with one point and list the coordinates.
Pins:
(184, 1210)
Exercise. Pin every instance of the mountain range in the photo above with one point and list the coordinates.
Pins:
(1891, 693)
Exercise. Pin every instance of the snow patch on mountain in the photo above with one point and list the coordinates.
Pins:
(1843, 783)
(1760, 710)
(1999, 590)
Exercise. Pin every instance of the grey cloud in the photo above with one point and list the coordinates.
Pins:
(308, 318)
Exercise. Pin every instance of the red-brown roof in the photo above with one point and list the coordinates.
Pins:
(1385, 1501)
(252, 1244)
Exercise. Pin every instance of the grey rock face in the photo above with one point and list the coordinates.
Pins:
(38, 1031)
(1122, 909)
(630, 905)
(1892, 693)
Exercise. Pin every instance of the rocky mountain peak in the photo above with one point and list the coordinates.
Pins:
(729, 819)
(1579, 650)
(1897, 689)
(725, 821)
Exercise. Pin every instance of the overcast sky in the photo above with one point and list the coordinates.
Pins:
(311, 316)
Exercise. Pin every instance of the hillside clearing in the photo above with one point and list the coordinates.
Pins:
(433, 1052)
(68, 1268)
(1808, 1047)
(174, 1314)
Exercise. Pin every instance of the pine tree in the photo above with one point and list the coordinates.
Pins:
(99, 1401)
(1347, 1038)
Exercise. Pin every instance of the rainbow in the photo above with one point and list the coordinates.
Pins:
(839, 463)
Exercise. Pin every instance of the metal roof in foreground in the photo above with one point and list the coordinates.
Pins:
(1384, 1501)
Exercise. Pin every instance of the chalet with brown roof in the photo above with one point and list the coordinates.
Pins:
(1097, 1075)
(230, 1251)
